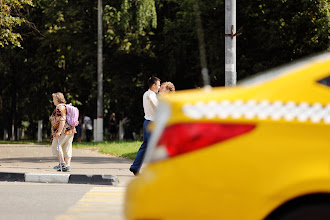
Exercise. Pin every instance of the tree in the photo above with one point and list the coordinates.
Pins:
(129, 26)
(10, 17)
(176, 41)
(142, 38)
(277, 32)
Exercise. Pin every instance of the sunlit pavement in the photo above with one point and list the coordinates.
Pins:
(98, 203)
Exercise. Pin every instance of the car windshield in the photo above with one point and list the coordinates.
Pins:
(270, 74)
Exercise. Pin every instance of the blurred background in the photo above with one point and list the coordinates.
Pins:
(49, 46)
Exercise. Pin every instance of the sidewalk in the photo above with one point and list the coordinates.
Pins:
(34, 163)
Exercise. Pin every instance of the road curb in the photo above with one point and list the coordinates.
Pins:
(18, 177)
(60, 178)
(94, 179)
(46, 178)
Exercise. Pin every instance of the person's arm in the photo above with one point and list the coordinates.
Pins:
(153, 100)
(60, 129)
(62, 121)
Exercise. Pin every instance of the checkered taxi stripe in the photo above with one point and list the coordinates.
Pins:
(98, 203)
(262, 110)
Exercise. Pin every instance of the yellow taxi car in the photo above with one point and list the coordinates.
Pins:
(260, 150)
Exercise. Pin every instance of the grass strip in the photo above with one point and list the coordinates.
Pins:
(125, 149)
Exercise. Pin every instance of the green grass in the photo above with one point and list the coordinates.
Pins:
(44, 142)
(125, 149)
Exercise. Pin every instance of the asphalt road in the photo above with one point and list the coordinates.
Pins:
(39, 201)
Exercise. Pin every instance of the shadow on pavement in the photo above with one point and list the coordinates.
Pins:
(83, 160)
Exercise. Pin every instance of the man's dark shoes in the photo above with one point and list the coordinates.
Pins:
(135, 172)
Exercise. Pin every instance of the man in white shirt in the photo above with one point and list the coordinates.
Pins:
(150, 103)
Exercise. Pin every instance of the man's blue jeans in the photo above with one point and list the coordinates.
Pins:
(140, 154)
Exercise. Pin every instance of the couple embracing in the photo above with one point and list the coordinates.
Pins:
(150, 103)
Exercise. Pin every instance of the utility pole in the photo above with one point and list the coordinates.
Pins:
(99, 127)
(230, 42)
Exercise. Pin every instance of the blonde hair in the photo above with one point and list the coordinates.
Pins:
(169, 86)
(59, 97)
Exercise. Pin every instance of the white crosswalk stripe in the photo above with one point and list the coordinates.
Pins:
(98, 203)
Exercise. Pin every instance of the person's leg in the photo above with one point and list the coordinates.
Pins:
(78, 134)
(67, 148)
(135, 167)
(55, 148)
(67, 151)
(88, 135)
(68, 161)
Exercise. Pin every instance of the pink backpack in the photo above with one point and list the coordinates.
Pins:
(72, 115)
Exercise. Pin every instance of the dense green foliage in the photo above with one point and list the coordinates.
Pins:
(58, 50)
(10, 17)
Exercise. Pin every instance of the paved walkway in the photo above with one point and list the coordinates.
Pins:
(38, 159)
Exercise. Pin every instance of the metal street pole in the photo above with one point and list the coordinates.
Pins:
(99, 127)
(230, 43)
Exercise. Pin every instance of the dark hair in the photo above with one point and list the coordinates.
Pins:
(152, 80)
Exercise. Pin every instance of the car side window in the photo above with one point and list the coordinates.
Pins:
(325, 81)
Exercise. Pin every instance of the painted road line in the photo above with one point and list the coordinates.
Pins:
(98, 203)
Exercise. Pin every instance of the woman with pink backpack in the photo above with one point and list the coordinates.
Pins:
(62, 132)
